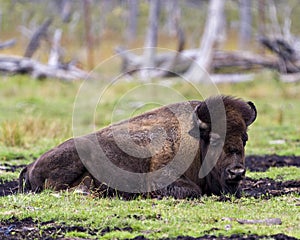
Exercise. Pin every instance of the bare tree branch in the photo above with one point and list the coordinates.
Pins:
(7, 44)
(36, 38)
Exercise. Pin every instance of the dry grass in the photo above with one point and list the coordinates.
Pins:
(11, 134)
(16, 133)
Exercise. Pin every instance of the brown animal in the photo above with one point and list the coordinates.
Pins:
(182, 150)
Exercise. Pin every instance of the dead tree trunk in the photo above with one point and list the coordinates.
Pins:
(55, 53)
(275, 27)
(151, 38)
(201, 66)
(66, 12)
(34, 43)
(173, 16)
(245, 23)
(88, 37)
(262, 21)
(131, 31)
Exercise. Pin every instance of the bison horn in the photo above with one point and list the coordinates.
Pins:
(253, 114)
(199, 123)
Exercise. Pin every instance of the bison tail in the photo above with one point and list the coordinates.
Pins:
(24, 186)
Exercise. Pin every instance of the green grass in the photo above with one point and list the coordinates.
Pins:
(8, 176)
(157, 218)
(279, 174)
(37, 115)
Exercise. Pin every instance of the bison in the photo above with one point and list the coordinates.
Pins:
(183, 150)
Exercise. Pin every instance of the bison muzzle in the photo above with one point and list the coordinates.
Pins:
(182, 150)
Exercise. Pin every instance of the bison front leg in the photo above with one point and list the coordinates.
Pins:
(85, 184)
(180, 189)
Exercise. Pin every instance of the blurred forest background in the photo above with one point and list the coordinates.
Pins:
(84, 33)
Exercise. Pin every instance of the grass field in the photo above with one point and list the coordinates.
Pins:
(37, 115)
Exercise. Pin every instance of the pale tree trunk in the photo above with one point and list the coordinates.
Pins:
(287, 35)
(261, 17)
(106, 6)
(173, 16)
(276, 30)
(55, 53)
(245, 23)
(88, 35)
(133, 6)
(151, 38)
(198, 72)
(66, 10)
(262, 21)
(61, 8)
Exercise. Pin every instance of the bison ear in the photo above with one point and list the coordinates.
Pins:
(251, 115)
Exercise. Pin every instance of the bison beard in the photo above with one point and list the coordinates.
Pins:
(213, 136)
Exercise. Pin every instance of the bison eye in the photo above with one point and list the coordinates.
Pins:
(245, 138)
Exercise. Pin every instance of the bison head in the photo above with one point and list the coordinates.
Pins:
(223, 123)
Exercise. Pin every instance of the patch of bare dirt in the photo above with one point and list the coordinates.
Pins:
(27, 228)
(267, 188)
(263, 163)
(8, 187)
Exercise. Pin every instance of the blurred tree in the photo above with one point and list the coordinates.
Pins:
(133, 9)
(198, 71)
(151, 37)
(245, 33)
(66, 10)
(173, 16)
(262, 22)
(61, 8)
(106, 7)
(88, 35)
(55, 56)
(40, 33)
(261, 17)
(273, 15)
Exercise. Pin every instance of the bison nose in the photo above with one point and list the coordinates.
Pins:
(236, 173)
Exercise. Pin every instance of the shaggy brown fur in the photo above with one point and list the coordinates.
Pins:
(178, 130)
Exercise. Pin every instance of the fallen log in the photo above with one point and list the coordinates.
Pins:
(242, 61)
(22, 65)
(290, 78)
(235, 61)
(231, 78)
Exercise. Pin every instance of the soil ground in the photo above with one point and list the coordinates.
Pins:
(263, 188)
